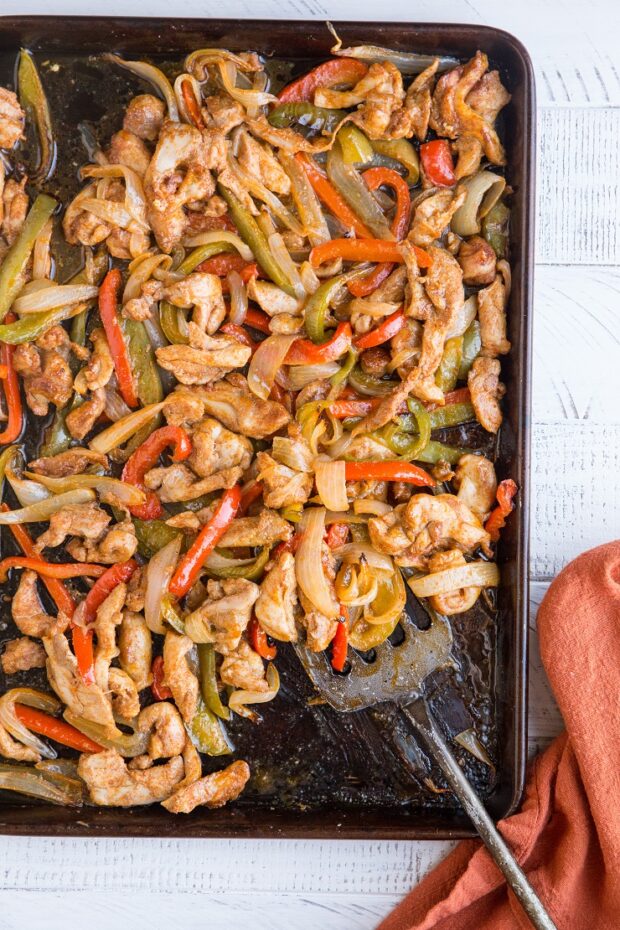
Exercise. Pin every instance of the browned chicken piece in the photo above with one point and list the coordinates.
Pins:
(364, 448)
(224, 616)
(100, 366)
(144, 117)
(46, 377)
(203, 292)
(111, 784)
(381, 95)
(109, 617)
(375, 361)
(218, 356)
(264, 530)
(453, 114)
(272, 299)
(22, 654)
(72, 462)
(123, 694)
(178, 674)
(261, 163)
(135, 648)
(433, 215)
(492, 302)
(80, 421)
(234, 405)
(486, 392)
(141, 308)
(118, 545)
(88, 521)
(282, 486)
(359, 490)
(12, 749)
(126, 148)
(320, 630)
(477, 260)
(84, 700)
(413, 119)
(476, 483)
(453, 602)
(136, 588)
(187, 521)
(12, 119)
(215, 449)
(163, 722)
(223, 113)
(13, 209)
(418, 305)
(214, 790)
(429, 523)
(179, 483)
(244, 669)
(178, 174)
(276, 604)
(28, 613)
(183, 407)
(405, 347)
(401, 492)
(286, 324)
(81, 227)
(289, 139)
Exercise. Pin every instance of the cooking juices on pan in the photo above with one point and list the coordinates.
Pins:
(252, 373)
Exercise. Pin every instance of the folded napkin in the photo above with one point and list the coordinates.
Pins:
(566, 835)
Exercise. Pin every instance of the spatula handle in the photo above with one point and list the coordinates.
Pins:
(421, 718)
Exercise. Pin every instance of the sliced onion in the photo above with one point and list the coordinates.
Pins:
(283, 257)
(256, 187)
(220, 563)
(464, 318)
(158, 574)
(247, 98)
(389, 602)
(350, 184)
(266, 362)
(141, 269)
(127, 494)
(368, 505)
(129, 745)
(309, 562)
(14, 726)
(221, 235)
(406, 62)
(306, 200)
(154, 76)
(43, 510)
(155, 333)
(309, 278)
(135, 201)
(296, 377)
(41, 254)
(198, 62)
(26, 780)
(238, 298)
(473, 574)
(26, 492)
(331, 484)
(353, 552)
(120, 432)
(293, 454)
(115, 407)
(483, 191)
(344, 516)
(238, 699)
(59, 295)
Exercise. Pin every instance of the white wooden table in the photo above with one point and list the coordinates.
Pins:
(273, 885)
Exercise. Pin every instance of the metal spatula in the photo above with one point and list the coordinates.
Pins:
(398, 674)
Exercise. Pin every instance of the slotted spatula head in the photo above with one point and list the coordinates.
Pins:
(397, 672)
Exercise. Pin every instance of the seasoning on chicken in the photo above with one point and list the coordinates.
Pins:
(476, 484)
(243, 668)
(13, 209)
(20, 655)
(179, 676)
(46, 375)
(282, 486)
(477, 260)
(203, 292)
(111, 783)
(126, 148)
(27, 610)
(82, 419)
(88, 521)
(276, 604)
(214, 790)
(144, 117)
(85, 700)
(223, 617)
(233, 404)
(264, 530)
(12, 119)
(432, 215)
(135, 648)
(216, 357)
(492, 301)
(72, 462)
(99, 368)
(179, 483)
(486, 392)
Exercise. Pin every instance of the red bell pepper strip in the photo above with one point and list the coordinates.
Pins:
(459, 396)
(437, 163)
(145, 457)
(337, 535)
(226, 262)
(51, 569)
(161, 691)
(248, 497)
(289, 545)
(258, 320)
(340, 642)
(189, 567)
(342, 409)
(231, 329)
(505, 505)
(259, 642)
(82, 639)
(13, 396)
(57, 730)
(364, 250)
(306, 352)
(108, 304)
(334, 202)
(104, 586)
(381, 333)
(388, 471)
(191, 104)
(332, 72)
(375, 178)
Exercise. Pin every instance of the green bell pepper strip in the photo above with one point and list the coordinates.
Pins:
(423, 422)
(472, 343)
(254, 237)
(33, 100)
(5, 457)
(401, 151)
(153, 535)
(495, 228)
(345, 370)
(451, 415)
(305, 114)
(57, 436)
(448, 371)
(168, 315)
(357, 149)
(150, 390)
(171, 616)
(317, 307)
(16, 259)
(208, 681)
(438, 451)
(368, 384)
(207, 732)
(252, 571)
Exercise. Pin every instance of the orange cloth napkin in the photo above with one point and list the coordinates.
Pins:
(566, 835)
